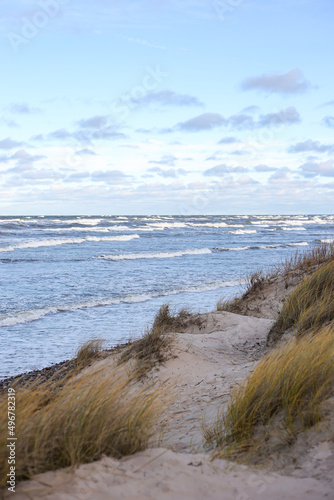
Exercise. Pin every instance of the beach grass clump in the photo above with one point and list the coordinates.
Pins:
(154, 346)
(288, 388)
(254, 284)
(309, 306)
(309, 260)
(229, 305)
(89, 415)
(148, 351)
(174, 322)
(88, 352)
(292, 270)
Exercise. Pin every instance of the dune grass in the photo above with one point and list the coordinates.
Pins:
(254, 283)
(89, 415)
(154, 346)
(311, 304)
(291, 382)
(288, 389)
(88, 352)
(308, 260)
(174, 321)
(299, 264)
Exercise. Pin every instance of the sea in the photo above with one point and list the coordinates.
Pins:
(65, 280)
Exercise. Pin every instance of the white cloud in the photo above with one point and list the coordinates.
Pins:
(282, 175)
(166, 98)
(311, 145)
(223, 169)
(328, 121)
(312, 168)
(205, 121)
(9, 143)
(264, 168)
(285, 116)
(22, 108)
(163, 172)
(228, 140)
(287, 83)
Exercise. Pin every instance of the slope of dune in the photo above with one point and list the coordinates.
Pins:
(206, 363)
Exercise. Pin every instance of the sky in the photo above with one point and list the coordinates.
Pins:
(111, 107)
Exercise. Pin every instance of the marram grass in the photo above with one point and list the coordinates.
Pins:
(154, 346)
(300, 264)
(311, 304)
(87, 416)
(291, 382)
(88, 352)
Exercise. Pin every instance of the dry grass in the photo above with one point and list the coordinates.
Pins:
(310, 306)
(89, 415)
(292, 269)
(229, 305)
(154, 346)
(88, 352)
(308, 261)
(174, 321)
(148, 351)
(289, 386)
(255, 283)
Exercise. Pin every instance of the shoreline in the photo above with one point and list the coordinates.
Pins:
(48, 372)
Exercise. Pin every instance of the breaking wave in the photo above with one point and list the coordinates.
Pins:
(36, 314)
(69, 241)
(156, 255)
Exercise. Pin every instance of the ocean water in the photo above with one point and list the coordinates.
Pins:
(65, 280)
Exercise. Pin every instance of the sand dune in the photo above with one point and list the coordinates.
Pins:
(206, 364)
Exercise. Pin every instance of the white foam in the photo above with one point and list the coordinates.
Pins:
(126, 228)
(157, 255)
(211, 224)
(99, 230)
(167, 225)
(235, 249)
(251, 247)
(69, 241)
(293, 228)
(81, 229)
(261, 223)
(243, 231)
(295, 221)
(78, 220)
(214, 225)
(328, 240)
(88, 222)
(36, 314)
(317, 220)
(280, 222)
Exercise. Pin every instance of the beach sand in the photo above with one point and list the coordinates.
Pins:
(206, 363)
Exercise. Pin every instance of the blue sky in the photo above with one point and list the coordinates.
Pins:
(166, 106)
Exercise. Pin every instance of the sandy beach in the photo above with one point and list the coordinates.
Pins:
(206, 362)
